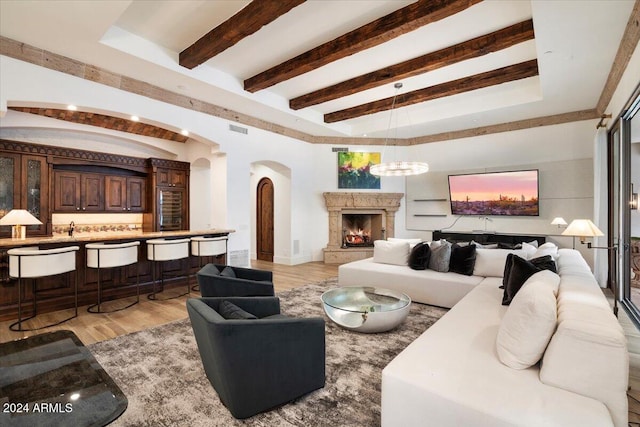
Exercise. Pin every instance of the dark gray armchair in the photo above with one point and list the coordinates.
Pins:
(215, 281)
(256, 365)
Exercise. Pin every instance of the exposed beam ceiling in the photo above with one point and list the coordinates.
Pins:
(381, 30)
(247, 21)
(454, 87)
(135, 47)
(469, 49)
(105, 121)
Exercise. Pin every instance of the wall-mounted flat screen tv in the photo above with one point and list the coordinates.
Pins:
(495, 193)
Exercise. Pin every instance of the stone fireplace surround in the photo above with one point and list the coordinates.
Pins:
(339, 203)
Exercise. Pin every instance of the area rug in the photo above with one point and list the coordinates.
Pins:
(160, 372)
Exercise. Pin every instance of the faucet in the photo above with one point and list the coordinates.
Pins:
(71, 228)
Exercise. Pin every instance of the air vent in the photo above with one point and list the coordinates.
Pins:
(339, 149)
(238, 129)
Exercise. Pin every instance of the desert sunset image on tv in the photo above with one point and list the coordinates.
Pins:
(495, 193)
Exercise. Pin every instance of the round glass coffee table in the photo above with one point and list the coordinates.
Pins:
(366, 309)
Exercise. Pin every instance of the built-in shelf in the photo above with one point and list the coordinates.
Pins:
(429, 200)
(430, 215)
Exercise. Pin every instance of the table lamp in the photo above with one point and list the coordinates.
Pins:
(18, 219)
(582, 228)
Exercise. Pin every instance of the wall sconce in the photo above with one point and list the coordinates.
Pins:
(559, 221)
(584, 228)
(18, 218)
(633, 203)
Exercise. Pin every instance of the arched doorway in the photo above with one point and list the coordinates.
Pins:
(264, 220)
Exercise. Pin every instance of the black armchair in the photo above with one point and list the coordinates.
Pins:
(256, 365)
(214, 281)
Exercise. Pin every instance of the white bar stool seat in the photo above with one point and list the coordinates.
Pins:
(33, 263)
(112, 255)
(162, 250)
(208, 246)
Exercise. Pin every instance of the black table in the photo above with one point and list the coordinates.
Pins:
(52, 379)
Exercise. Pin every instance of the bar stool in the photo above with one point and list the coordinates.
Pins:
(111, 255)
(33, 263)
(203, 246)
(161, 250)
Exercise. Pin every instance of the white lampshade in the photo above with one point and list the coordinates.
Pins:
(18, 218)
(582, 228)
(558, 221)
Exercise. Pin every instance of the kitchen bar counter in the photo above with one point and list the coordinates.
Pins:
(117, 283)
(107, 236)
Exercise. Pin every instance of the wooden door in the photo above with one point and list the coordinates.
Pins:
(67, 191)
(92, 190)
(136, 194)
(264, 220)
(116, 193)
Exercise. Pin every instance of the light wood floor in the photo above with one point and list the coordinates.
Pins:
(91, 328)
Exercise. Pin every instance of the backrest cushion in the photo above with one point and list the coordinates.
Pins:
(529, 322)
(228, 272)
(229, 310)
(491, 262)
(463, 259)
(419, 256)
(412, 242)
(391, 252)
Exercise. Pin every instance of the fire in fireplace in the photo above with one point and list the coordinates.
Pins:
(361, 229)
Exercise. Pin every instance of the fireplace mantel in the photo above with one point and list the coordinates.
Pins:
(353, 202)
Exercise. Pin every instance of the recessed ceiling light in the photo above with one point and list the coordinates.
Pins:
(185, 132)
(135, 118)
(71, 107)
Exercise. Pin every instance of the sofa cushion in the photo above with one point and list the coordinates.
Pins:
(228, 272)
(391, 252)
(491, 262)
(546, 249)
(412, 242)
(229, 310)
(419, 256)
(463, 259)
(440, 256)
(529, 323)
(517, 270)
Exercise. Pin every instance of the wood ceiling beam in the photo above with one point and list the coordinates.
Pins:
(469, 49)
(454, 87)
(247, 21)
(104, 121)
(381, 30)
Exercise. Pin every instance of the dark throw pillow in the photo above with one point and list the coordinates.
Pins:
(228, 272)
(463, 259)
(229, 310)
(419, 256)
(517, 270)
(440, 256)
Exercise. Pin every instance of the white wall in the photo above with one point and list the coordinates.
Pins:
(234, 156)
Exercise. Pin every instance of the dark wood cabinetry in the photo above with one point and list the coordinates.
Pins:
(171, 177)
(76, 191)
(24, 184)
(125, 194)
(169, 210)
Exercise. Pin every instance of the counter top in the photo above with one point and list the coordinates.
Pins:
(99, 237)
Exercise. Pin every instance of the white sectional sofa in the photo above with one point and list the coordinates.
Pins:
(452, 375)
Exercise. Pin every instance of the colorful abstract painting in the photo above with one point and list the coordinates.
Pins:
(353, 170)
